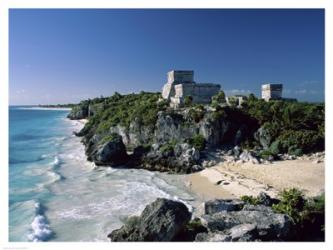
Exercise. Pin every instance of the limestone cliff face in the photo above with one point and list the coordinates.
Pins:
(170, 144)
(176, 126)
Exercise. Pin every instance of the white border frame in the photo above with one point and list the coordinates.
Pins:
(5, 5)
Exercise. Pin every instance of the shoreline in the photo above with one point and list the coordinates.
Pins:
(44, 108)
(232, 180)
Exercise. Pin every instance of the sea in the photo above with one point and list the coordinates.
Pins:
(55, 194)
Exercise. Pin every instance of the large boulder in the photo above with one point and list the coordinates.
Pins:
(269, 226)
(263, 137)
(246, 156)
(161, 220)
(181, 158)
(110, 151)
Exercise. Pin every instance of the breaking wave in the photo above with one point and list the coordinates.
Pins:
(40, 228)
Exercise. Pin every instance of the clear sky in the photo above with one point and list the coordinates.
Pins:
(62, 56)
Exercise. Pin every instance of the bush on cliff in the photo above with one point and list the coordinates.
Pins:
(198, 142)
(218, 99)
(300, 127)
(122, 109)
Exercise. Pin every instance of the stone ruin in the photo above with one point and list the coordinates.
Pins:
(271, 91)
(181, 84)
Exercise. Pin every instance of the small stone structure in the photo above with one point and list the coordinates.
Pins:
(181, 84)
(271, 91)
(237, 99)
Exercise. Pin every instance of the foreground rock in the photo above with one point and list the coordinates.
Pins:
(253, 222)
(222, 220)
(161, 220)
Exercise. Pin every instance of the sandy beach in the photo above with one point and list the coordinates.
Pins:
(232, 180)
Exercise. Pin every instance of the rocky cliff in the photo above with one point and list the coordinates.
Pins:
(151, 135)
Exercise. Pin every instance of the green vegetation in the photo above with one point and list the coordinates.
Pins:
(218, 99)
(250, 199)
(292, 203)
(307, 214)
(122, 109)
(294, 127)
(196, 113)
(198, 142)
(188, 101)
(108, 138)
(168, 147)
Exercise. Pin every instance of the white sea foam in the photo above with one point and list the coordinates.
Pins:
(56, 161)
(40, 229)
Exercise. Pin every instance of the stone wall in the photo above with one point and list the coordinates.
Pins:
(200, 93)
(181, 84)
(181, 76)
(271, 91)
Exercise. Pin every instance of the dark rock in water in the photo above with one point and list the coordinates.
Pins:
(161, 220)
(215, 206)
(270, 226)
(112, 152)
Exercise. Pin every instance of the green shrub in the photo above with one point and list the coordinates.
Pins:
(168, 147)
(219, 98)
(292, 203)
(219, 114)
(250, 199)
(198, 142)
(307, 214)
(196, 114)
(108, 138)
(275, 148)
(264, 154)
(293, 150)
(188, 101)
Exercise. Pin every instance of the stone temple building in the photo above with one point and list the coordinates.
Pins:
(181, 84)
(271, 91)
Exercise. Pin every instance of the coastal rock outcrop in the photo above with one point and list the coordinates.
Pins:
(266, 225)
(161, 220)
(222, 220)
(109, 151)
(79, 112)
(181, 158)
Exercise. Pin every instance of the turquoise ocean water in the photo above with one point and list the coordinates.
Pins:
(56, 195)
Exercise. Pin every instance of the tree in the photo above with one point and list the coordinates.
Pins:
(188, 101)
(219, 98)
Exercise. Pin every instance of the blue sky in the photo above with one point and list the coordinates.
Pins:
(62, 56)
